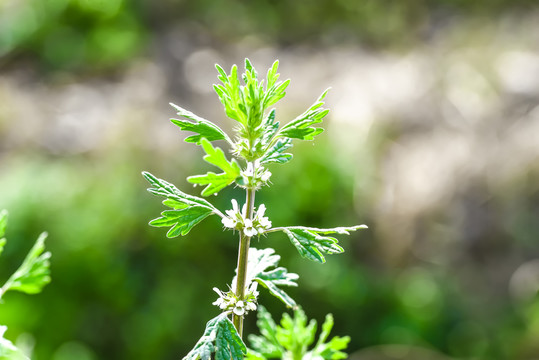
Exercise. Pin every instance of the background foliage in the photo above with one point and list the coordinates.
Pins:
(432, 142)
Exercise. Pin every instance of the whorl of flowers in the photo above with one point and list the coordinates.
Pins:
(239, 221)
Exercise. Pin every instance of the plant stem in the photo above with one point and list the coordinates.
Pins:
(243, 254)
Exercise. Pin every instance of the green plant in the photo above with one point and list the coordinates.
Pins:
(31, 276)
(259, 141)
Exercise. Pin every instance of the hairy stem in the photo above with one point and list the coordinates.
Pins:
(243, 253)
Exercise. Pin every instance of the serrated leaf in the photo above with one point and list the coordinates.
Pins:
(204, 128)
(266, 345)
(302, 127)
(181, 221)
(259, 269)
(270, 128)
(311, 244)
(216, 182)
(332, 349)
(276, 153)
(33, 274)
(187, 211)
(220, 338)
(163, 188)
(292, 337)
(8, 351)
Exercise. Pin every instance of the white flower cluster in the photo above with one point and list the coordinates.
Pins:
(238, 220)
(255, 175)
(229, 301)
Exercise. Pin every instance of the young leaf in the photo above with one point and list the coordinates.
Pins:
(276, 153)
(311, 244)
(187, 211)
(267, 345)
(173, 195)
(302, 127)
(33, 274)
(330, 350)
(290, 339)
(204, 128)
(8, 351)
(220, 338)
(257, 270)
(216, 182)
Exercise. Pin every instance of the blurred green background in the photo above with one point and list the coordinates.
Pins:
(433, 141)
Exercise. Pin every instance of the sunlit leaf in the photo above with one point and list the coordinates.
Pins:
(216, 182)
(187, 211)
(221, 339)
(265, 346)
(330, 350)
(163, 188)
(33, 274)
(311, 243)
(276, 154)
(302, 127)
(202, 127)
(292, 337)
(259, 268)
(181, 221)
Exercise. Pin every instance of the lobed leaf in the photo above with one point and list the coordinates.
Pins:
(33, 274)
(173, 195)
(311, 244)
(267, 345)
(330, 350)
(187, 211)
(291, 339)
(220, 338)
(205, 129)
(181, 221)
(276, 153)
(302, 127)
(216, 182)
(259, 269)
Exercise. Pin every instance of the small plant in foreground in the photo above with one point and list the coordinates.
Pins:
(259, 141)
(30, 278)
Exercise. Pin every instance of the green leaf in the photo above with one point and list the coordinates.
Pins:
(311, 243)
(187, 211)
(8, 351)
(163, 188)
(257, 270)
(220, 338)
(276, 153)
(332, 349)
(267, 345)
(204, 128)
(291, 339)
(3, 226)
(302, 127)
(33, 274)
(181, 221)
(3, 222)
(216, 182)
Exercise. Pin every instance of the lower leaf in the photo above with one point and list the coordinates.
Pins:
(220, 338)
